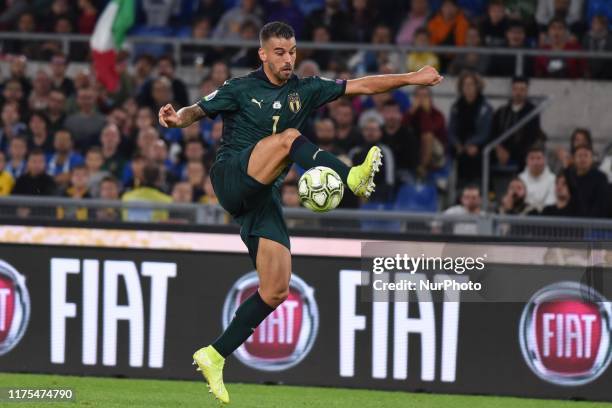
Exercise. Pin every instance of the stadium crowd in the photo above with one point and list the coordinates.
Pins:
(69, 136)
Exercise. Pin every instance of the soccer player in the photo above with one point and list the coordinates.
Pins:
(263, 113)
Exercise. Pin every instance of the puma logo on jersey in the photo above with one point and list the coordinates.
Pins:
(256, 102)
(314, 156)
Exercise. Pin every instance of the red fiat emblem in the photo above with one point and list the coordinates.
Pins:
(286, 336)
(14, 307)
(565, 333)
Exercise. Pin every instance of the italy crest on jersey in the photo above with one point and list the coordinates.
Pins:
(294, 102)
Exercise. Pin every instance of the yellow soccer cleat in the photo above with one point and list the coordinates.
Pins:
(211, 363)
(360, 179)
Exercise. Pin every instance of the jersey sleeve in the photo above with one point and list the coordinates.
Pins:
(221, 100)
(326, 90)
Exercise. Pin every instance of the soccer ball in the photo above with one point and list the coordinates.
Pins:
(320, 189)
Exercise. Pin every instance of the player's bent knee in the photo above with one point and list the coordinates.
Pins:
(287, 137)
(275, 296)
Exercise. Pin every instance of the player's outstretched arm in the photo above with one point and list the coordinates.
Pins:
(374, 84)
(168, 117)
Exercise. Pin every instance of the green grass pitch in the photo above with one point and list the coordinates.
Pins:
(120, 393)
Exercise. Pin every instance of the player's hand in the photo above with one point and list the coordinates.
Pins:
(428, 76)
(168, 117)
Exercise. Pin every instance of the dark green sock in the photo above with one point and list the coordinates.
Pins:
(308, 155)
(248, 316)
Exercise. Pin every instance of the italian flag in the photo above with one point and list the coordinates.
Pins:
(107, 39)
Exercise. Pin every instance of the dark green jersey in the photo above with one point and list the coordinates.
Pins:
(253, 108)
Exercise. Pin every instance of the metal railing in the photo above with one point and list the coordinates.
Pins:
(44, 209)
(177, 43)
(486, 152)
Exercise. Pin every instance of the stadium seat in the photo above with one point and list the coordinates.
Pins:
(378, 225)
(418, 197)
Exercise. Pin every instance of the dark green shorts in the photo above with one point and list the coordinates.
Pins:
(255, 206)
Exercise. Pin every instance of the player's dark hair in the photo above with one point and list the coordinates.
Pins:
(276, 29)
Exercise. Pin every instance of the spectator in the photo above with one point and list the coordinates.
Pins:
(514, 200)
(564, 205)
(6, 179)
(78, 189)
(473, 61)
(38, 134)
(148, 192)
(212, 9)
(12, 93)
(158, 12)
(362, 18)
(568, 11)
(94, 161)
(195, 173)
(18, 72)
(182, 192)
(449, 26)
(579, 137)
(59, 80)
(209, 196)
(372, 61)
(112, 156)
(430, 127)
(555, 67)
(471, 202)
(587, 184)
(520, 9)
(86, 124)
(166, 67)
(26, 24)
(308, 68)
(35, 181)
(347, 134)
(39, 97)
(87, 16)
(143, 71)
(18, 153)
(417, 18)
(109, 190)
(505, 65)
(56, 111)
(325, 135)
(333, 17)
(419, 59)
(229, 25)
(513, 151)
(290, 196)
(402, 140)
(538, 179)
(61, 163)
(469, 127)
(324, 58)
(287, 11)
(247, 57)
(493, 28)
(599, 39)
(385, 179)
(11, 124)
(133, 174)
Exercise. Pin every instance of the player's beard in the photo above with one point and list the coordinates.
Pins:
(282, 74)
